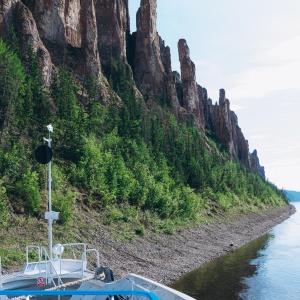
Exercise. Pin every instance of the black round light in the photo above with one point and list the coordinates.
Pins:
(43, 154)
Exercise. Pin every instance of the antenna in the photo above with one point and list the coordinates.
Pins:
(50, 215)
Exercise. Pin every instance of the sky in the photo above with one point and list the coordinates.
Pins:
(251, 48)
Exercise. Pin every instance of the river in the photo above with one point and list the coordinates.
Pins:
(266, 268)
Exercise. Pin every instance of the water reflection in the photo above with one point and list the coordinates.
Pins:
(222, 277)
(278, 267)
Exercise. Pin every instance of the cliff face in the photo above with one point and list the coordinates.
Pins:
(16, 15)
(68, 30)
(112, 18)
(191, 92)
(255, 166)
(152, 60)
(228, 133)
(89, 36)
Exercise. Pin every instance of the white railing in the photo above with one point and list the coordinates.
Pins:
(51, 269)
(83, 257)
(57, 268)
(27, 256)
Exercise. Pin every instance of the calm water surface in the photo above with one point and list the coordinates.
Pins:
(267, 268)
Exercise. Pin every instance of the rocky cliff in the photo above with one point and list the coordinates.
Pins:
(90, 36)
(152, 59)
(192, 100)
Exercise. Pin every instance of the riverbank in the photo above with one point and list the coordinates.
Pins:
(165, 258)
(161, 257)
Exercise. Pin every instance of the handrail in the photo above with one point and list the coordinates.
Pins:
(71, 245)
(50, 269)
(27, 293)
(39, 254)
(43, 257)
(76, 244)
(97, 255)
(83, 258)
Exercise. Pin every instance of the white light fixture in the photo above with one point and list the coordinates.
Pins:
(50, 128)
(58, 249)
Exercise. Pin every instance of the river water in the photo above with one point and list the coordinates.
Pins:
(266, 268)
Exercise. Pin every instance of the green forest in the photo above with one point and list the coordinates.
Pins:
(129, 165)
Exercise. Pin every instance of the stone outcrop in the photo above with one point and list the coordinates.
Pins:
(223, 123)
(112, 17)
(15, 15)
(68, 29)
(191, 92)
(152, 60)
(208, 112)
(148, 68)
(255, 166)
(6, 17)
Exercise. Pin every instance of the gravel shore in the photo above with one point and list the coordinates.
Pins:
(165, 258)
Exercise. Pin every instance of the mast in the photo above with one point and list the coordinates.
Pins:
(50, 215)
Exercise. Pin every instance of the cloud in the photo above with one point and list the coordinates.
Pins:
(285, 150)
(264, 80)
(237, 107)
(286, 51)
(257, 137)
(275, 69)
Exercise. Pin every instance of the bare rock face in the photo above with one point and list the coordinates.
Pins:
(89, 39)
(6, 17)
(222, 123)
(241, 146)
(208, 112)
(177, 81)
(148, 68)
(191, 93)
(169, 83)
(112, 18)
(152, 61)
(19, 17)
(255, 166)
(68, 29)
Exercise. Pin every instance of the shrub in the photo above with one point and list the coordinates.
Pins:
(29, 191)
(3, 205)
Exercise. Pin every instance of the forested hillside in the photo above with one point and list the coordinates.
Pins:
(117, 158)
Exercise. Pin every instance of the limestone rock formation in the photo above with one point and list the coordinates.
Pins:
(15, 15)
(255, 166)
(224, 124)
(68, 29)
(191, 92)
(6, 17)
(152, 61)
(148, 68)
(112, 18)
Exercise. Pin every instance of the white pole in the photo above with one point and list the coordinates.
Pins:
(50, 220)
(49, 215)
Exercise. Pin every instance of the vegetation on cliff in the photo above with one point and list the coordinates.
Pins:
(116, 158)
